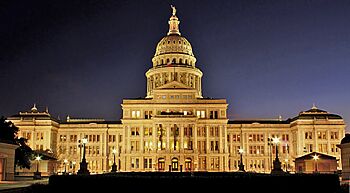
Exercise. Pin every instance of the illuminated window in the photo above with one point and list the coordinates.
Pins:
(135, 114)
(147, 131)
(201, 114)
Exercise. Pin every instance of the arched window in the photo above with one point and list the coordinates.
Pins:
(180, 61)
(186, 61)
(174, 61)
(167, 60)
(162, 61)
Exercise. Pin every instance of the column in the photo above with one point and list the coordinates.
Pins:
(181, 137)
(195, 147)
(168, 137)
(117, 155)
(141, 139)
(104, 146)
(220, 140)
(207, 139)
(154, 140)
(328, 142)
(315, 145)
(225, 139)
(127, 148)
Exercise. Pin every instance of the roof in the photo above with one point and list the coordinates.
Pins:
(315, 113)
(262, 121)
(31, 115)
(92, 121)
(310, 156)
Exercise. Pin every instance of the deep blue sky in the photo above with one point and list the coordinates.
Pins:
(267, 58)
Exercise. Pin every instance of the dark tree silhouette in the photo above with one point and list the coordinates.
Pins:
(23, 154)
(8, 131)
(8, 134)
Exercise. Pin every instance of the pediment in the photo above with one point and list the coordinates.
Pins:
(174, 85)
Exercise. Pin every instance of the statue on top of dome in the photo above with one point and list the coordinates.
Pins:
(174, 9)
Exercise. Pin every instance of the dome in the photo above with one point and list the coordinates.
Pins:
(173, 44)
(174, 48)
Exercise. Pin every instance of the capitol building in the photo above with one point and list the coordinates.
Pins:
(175, 128)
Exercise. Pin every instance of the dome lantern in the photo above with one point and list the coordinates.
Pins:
(174, 23)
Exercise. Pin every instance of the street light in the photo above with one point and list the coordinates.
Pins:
(315, 157)
(114, 166)
(38, 160)
(241, 165)
(276, 163)
(83, 164)
(65, 165)
(37, 174)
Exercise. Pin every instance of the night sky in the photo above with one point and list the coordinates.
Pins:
(267, 58)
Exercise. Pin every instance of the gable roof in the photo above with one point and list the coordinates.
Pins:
(311, 155)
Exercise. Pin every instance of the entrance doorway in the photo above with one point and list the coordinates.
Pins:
(174, 164)
(188, 164)
(161, 164)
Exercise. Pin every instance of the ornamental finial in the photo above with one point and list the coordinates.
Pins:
(174, 9)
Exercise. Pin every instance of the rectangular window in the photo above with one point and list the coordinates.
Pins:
(135, 131)
(135, 114)
(216, 131)
(202, 114)
(308, 135)
(148, 114)
(213, 115)
(145, 163)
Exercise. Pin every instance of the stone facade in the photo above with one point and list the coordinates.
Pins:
(175, 128)
(7, 161)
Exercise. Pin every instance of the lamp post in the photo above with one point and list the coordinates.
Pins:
(241, 165)
(65, 161)
(37, 174)
(276, 163)
(114, 166)
(37, 165)
(315, 157)
(83, 164)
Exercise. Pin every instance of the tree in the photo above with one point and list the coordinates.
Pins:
(8, 134)
(8, 131)
(23, 154)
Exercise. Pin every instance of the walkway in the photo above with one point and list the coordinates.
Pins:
(7, 185)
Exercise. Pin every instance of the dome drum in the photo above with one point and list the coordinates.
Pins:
(162, 76)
